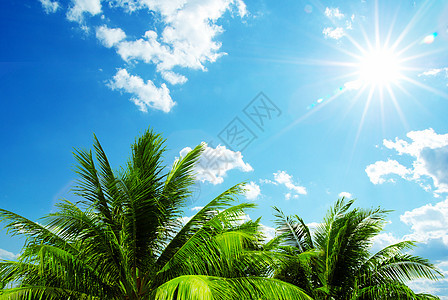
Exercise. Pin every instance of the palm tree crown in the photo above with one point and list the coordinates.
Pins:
(122, 239)
(334, 262)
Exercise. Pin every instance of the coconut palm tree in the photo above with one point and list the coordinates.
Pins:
(333, 261)
(123, 239)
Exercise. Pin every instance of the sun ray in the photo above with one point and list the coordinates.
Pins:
(426, 87)
(363, 117)
(424, 7)
(377, 26)
(379, 65)
(423, 54)
(398, 108)
(390, 31)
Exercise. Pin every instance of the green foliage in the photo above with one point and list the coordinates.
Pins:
(335, 262)
(124, 238)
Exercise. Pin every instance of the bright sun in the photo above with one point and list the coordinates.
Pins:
(379, 67)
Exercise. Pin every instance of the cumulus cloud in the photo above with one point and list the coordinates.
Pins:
(80, 7)
(346, 195)
(7, 255)
(334, 13)
(50, 6)
(428, 222)
(380, 169)
(188, 37)
(333, 32)
(429, 151)
(252, 191)
(439, 287)
(110, 37)
(145, 94)
(429, 226)
(283, 178)
(383, 240)
(184, 36)
(214, 163)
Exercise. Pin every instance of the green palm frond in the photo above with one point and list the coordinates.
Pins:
(390, 290)
(193, 287)
(34, 232)
(201, 218)
(293, 230)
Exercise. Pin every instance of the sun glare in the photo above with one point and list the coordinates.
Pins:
(379, 67)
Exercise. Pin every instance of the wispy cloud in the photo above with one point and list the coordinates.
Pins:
(434, 72)
(333, 32)
(283, 178)
(340, 23)
(334, 13)
(7, 255)
(50, 6)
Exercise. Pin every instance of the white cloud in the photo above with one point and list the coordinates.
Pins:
(289, 195)
(283, 178)
(268, 181)
(185, 35)
(346, 195)
(252, 191)
(428, 222)
(79, 7)
(434, 72)
(427, 138)
(174, 78)
(110, 36)
(431, 287)
(334, 13)
(429, 226)
(7, 255)
(242, 8)
(145, 94)
(269, 232)
(188, 37)
(50, 6)
(429, 151)
(197, 208)
(383, 240)
(313, 226)
(340, 23)
(333, 32)
(380, 169)
(214, 163)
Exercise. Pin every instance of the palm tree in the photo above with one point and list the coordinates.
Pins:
(334, 262)
(122, 238)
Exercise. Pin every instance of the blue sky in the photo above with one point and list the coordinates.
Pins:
(353, 100)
